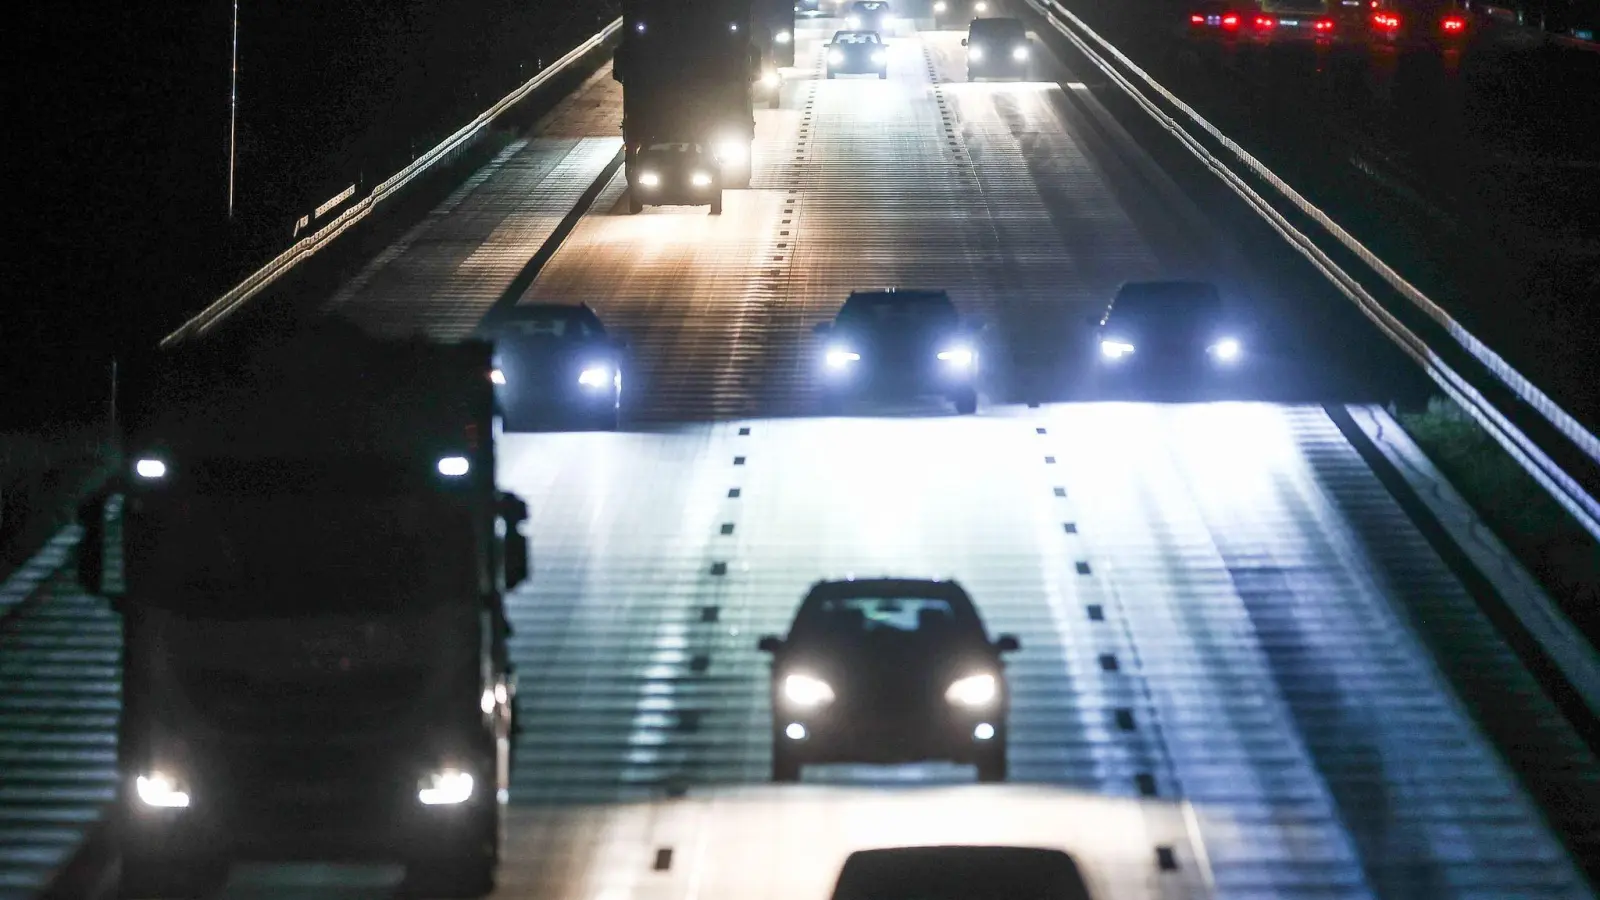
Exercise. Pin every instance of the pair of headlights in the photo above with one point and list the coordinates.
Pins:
(959, 357)
(445, 787)
(836, 57)
(1017, 53)
(591, 377)
(808, 692)
(1227, 350)
(652, 179)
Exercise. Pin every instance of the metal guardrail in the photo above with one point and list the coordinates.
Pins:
(303, 249)
(1566, 490)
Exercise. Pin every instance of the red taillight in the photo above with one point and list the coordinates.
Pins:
(1230, 21)
(1265, 22)
(1386, 21)
(1324, 25)
(1197, 20)
(1454, 23)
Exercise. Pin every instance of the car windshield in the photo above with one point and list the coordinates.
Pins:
(866, 6)
(567, 323)
(843, 618)
(856, 37)
(1175, 303)
(898, 310)
(998, 30)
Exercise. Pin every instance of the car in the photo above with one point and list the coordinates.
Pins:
(997, 48)
(1167, 328)
(1217, 19)
(869, 15)
(1422, 23)
(888, 670)
(768, 86)
(675, 173)
(955, 872)
(857, 53)
(556, 367)
(1289, 21)
(901, 344)
(808, 7)
(956, 13)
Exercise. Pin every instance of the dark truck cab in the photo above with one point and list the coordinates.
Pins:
(315, 662)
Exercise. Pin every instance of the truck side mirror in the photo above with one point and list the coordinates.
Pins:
(1007, 643)
(770, 644)
(963, 42)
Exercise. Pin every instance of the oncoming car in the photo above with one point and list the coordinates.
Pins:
(869, 15)
(1217, 19)
(888, 671)
(675, 174)
(899, 344)
(955, 13)
(857, 53)
(1167, 328)
(555, 367)
(996, 48)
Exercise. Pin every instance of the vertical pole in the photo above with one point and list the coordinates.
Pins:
(233, 111)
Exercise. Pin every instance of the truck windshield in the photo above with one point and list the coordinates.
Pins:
(246, 554)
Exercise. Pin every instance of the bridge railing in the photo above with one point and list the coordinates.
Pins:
(1504, 402)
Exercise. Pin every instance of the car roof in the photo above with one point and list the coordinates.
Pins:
(869, 5)
(870, 37)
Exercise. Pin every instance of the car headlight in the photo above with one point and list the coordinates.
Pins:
(649, 179)
(839, 357)
(454, 466)
(731, 151)
(853, 22)
(803, 690)
(446, 787)
(835, 58)
(974, 690)
(878, 56)
(974, 53)
(594, 376)
(1227, 349)
(497, 376)
(1019, 53)
(770, 79)
(700, 179)
(940, 7)
(783, 37)
(1115, 349)
(980, 6)
(960, 357)
(150, 468)
(160, 790)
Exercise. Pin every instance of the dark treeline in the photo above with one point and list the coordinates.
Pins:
(122, 113)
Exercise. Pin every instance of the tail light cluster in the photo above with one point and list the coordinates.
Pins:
(1386, 21)
(1323, 25)
(1197, 19)
(1265, 23)
(1231, 20)
(1454, 24)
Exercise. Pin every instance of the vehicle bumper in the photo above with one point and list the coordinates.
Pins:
(857, 70)
(1007, 69)
(672, 196)
(877, 385)
(570, 410)
(948, 736)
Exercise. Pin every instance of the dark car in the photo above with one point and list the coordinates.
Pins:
(555, 367)
(1168, 328)
(857, 53)
(808, 7)
(960, 873)
(675, 174)
(1218, 19)
(1419, 23)
(888, 671)
(869, 15)
(957, 13)
(900, 344)
(997, 48)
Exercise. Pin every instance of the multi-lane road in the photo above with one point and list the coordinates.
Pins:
(1224, 689)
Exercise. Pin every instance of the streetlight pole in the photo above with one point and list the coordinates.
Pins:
(233, 111)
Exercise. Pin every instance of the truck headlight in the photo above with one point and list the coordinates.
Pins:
(160, 790)
(838, 357)
(940, 7)
(974, 690)
(783, 37)
(1227, 349)
(150, 468)
(594, 376)
(454, 466)
(960, 357)
(1115, 349)
(805, 691)
(649, 179)
(700, 179)
(446, 787)
(1019, 54)
(731, 151)
(770, 79)
(980, 6)
(497, 376)
(974, 53)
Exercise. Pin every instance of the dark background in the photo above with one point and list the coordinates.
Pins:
(120, 151)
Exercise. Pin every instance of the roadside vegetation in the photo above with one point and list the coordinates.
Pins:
(1544, 537)
(43, 477)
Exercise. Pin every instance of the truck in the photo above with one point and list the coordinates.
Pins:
(315, 559)
(687, 73)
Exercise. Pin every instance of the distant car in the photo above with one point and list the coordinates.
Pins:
(997, 48)
(1167, 328)
(555, 367)
(676, 174)
(957, 13)
(899, 344)
(768, 85)
(888, 671)
(1290, 21)
(869, 15)
(960, 873)
(808, 7)
(1422, 23)
(857, 53)
(1217, 20)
